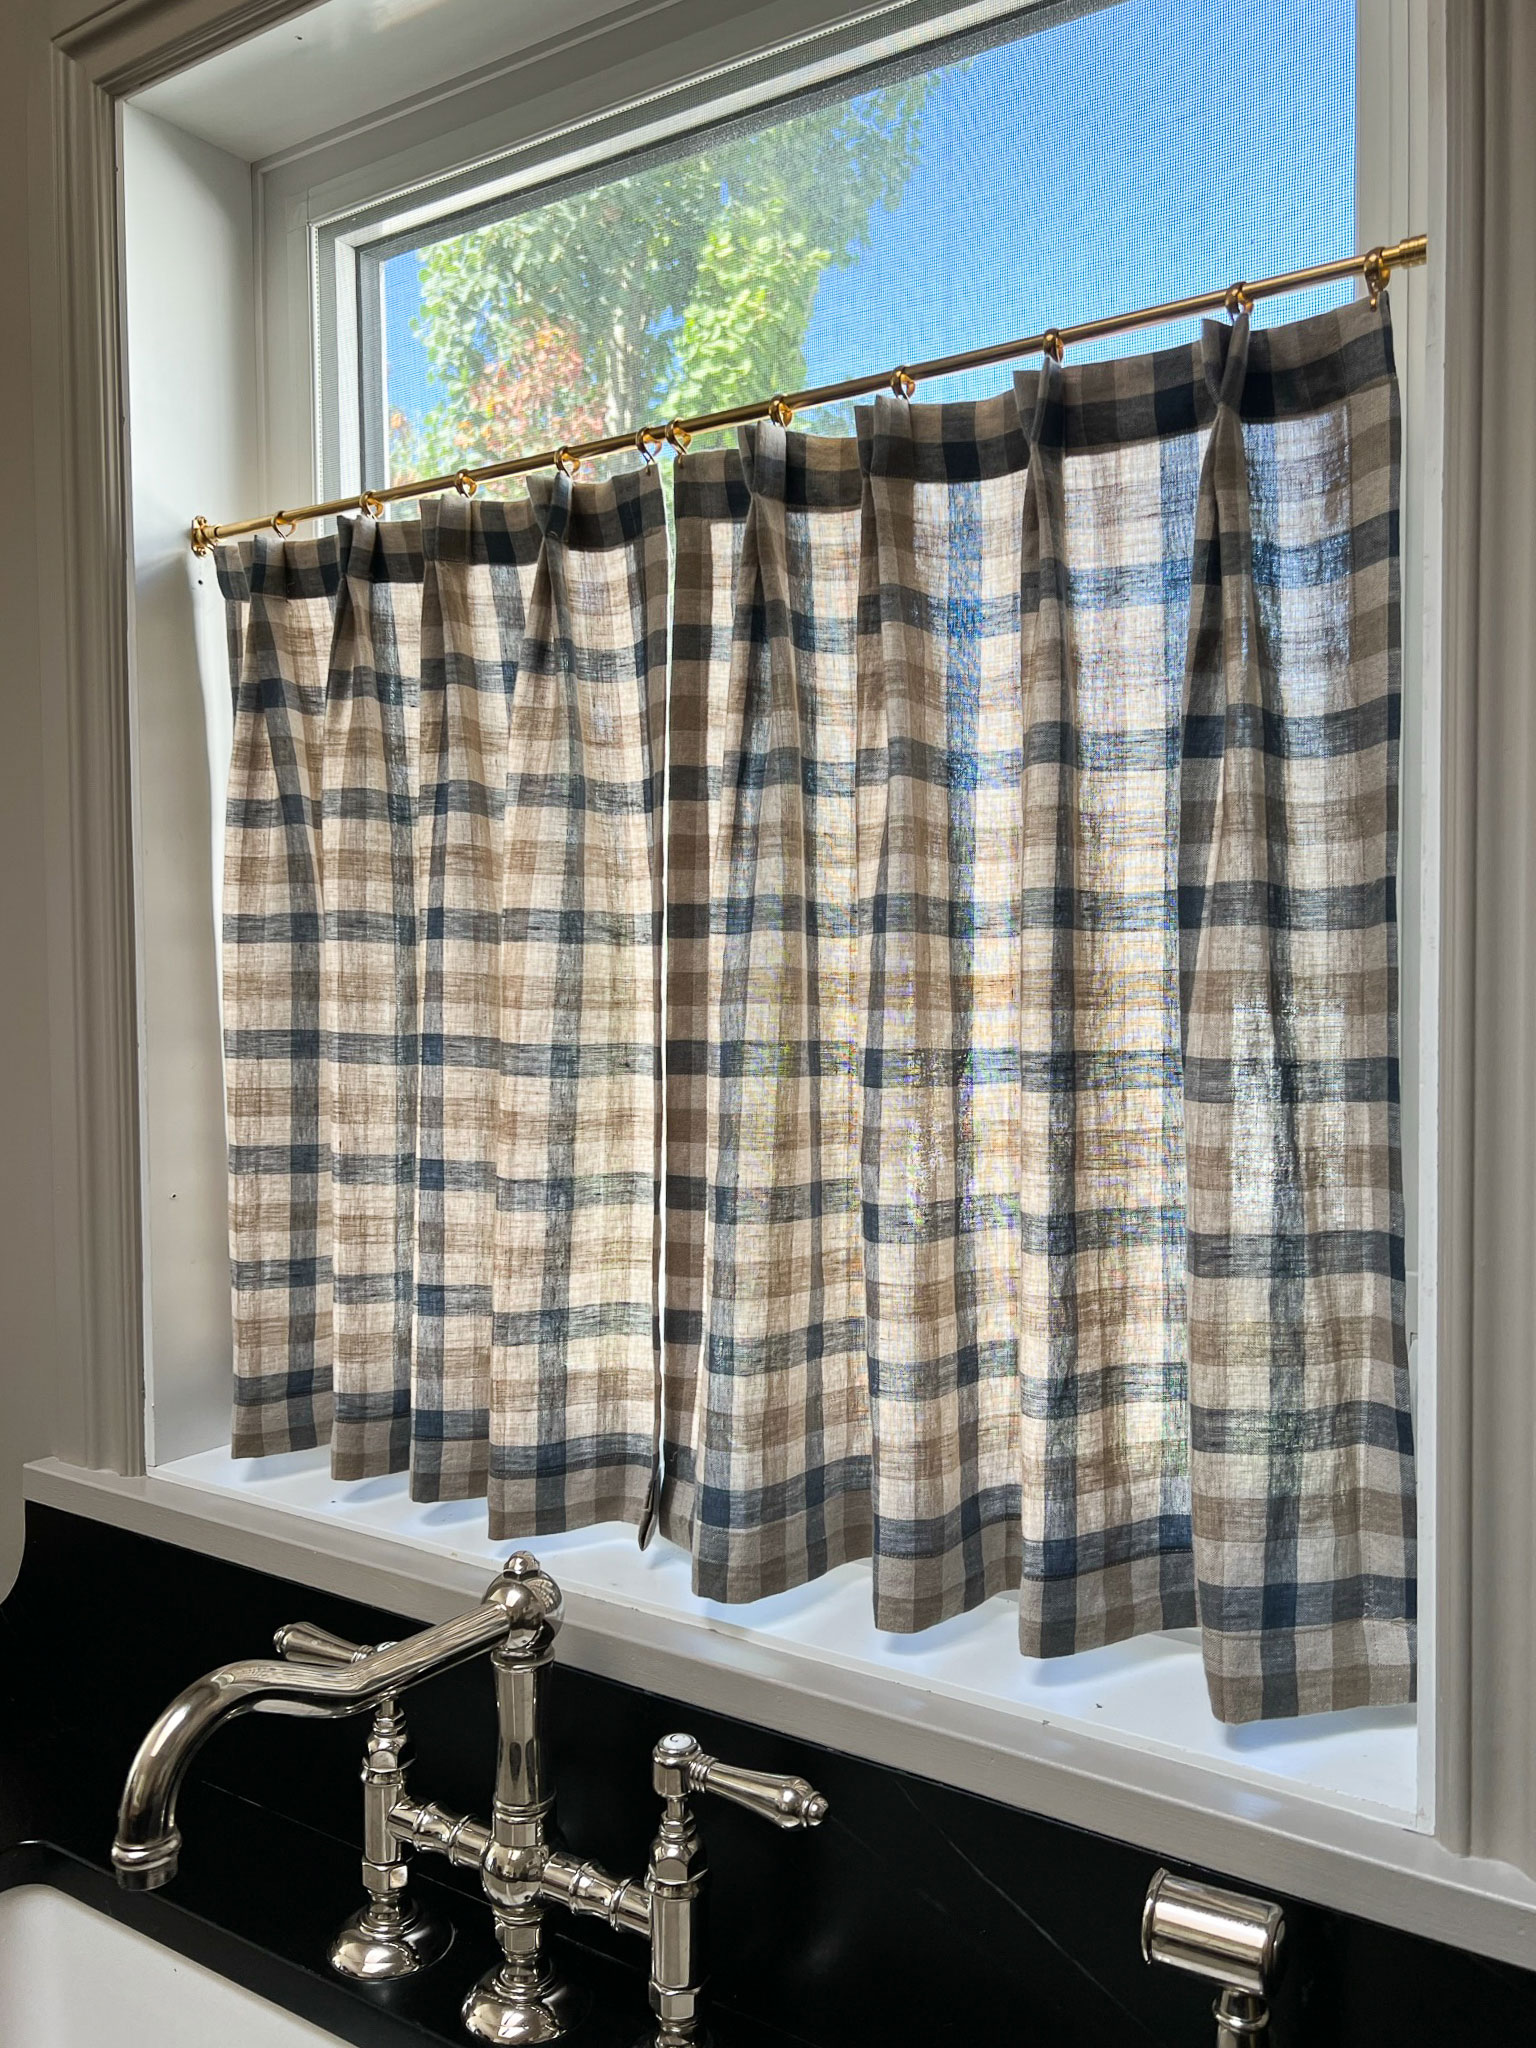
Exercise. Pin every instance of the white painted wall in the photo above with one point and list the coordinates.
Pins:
(192, 380)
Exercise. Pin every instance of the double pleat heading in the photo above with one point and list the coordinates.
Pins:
(1032, 1192)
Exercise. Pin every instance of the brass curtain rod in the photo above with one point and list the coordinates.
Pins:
(1374, 265)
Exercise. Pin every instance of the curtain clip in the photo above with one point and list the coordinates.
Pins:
(283, 526)
(1376, 270)
(676, 436)
(370, 505)
(1239, 300)
(1052, 345)
(648, 440)
(566, 462)
(780, 411)
(903, 383)
(466, 483)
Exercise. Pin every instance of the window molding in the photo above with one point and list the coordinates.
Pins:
(1486, 59)
(82, 501)
(92, 994)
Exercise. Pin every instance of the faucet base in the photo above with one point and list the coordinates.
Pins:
(509, 2010)
(382, 1942)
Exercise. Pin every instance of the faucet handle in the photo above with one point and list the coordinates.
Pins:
(302, 1643)
(679, 1767)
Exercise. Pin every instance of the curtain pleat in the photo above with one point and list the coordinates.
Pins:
(1033, 1208)
(576, 1326)
(710, 503)
(478, 570)
(1299, 1422)
(1107, 522)
(940, 850)
(279, 1167)
(780, 1431)
(370, 987)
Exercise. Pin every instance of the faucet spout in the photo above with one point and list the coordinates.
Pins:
(148, 1843)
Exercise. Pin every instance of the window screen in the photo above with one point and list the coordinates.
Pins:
(1113, 158)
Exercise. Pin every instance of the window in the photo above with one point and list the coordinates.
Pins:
(881, 191)
(940, 205)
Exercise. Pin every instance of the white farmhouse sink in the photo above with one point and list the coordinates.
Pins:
(72, 1978)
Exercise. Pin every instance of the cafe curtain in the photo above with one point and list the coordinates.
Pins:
(1032, 1203)
(442, 997)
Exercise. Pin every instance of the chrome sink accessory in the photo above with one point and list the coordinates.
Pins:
(1226, 1937)
(523, 1869)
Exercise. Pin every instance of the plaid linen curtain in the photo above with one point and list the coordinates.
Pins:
(442, 998)
(1034, 1196)
(1033, 1211)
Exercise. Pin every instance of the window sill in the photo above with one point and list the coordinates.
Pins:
(1120, 1741)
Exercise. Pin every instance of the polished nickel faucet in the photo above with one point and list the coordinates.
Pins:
(522, 1865)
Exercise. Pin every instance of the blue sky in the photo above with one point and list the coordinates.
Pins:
(1148, 149)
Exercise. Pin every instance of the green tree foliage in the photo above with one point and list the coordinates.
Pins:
(684, 286)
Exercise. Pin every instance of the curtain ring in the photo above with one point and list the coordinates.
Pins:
(647, 441)
(1051, 344)
(677, 437)
(903, 383)
(780, 411)
(566, 462)
(202, 535)
(283, 526)
(1239, 300)
(1376, 270)
(370, 505)
(466, 483)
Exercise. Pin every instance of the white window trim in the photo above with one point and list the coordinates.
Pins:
(1359, 1861)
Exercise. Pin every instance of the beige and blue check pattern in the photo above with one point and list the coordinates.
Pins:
(1301, 1443)
(442, 912)
(575, 1381)
(1033, 1213)
(281, 600)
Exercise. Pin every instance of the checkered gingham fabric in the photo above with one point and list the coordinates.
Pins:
(771, 1435)
(443, 898)
(280, 597)
(1301, 1444)
(577, 1329)
(1032, 1186)
(1122, 652)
